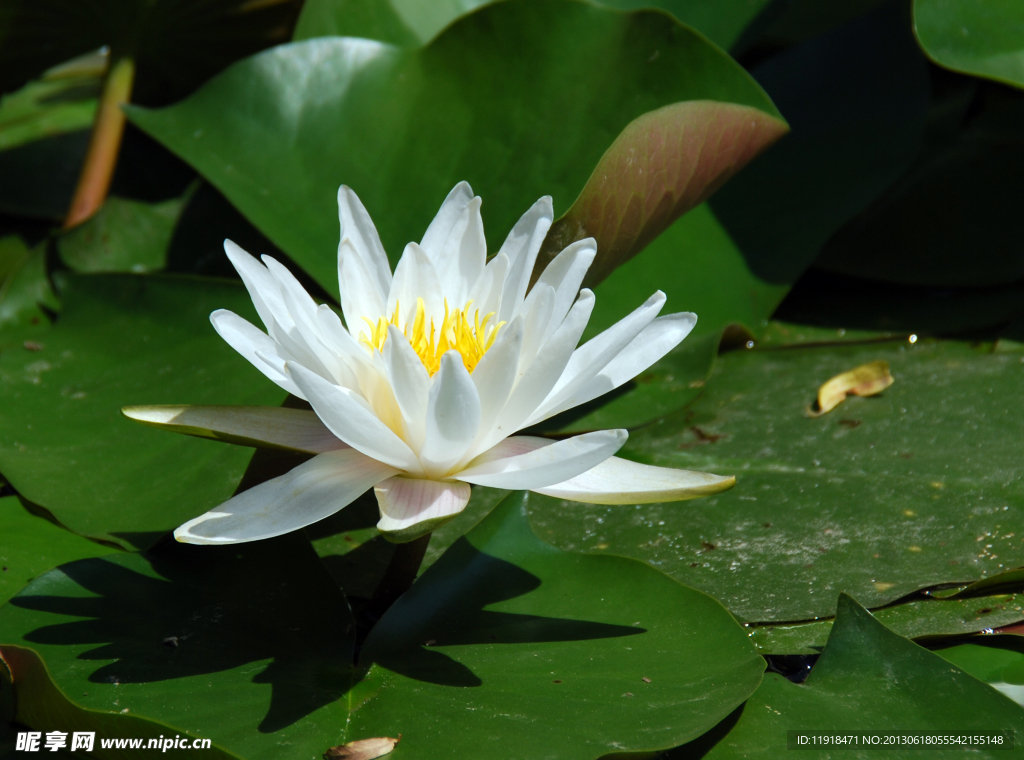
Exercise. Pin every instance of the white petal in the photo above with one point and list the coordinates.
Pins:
(453, 416)
(486, 294)
(542, 374)
(536, 312)
(565, 275)
(495, 376)
(350, 417)
(264, 426)
(415, 278)
(546, 464)
(312, 491)
(461, 258)
(619, 481)
(594, 355)
(358, 227)
(521, 246)
(410, 508)
(410, 382)
(263, 288)
(360, 297)
(251, 343)
(446, 218)
(654, 341)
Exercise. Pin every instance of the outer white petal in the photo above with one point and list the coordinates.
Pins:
(453, 416)
(594, 355)
(265, 426)
(565, 275)
(310, 492)
(254, 344)
(410, 508)
(654, 341)
(360, 297)
(350, 417)
(521, 246)
(415, 277)
(263, 288)
(619, 481)
(504, 466)
(410, 382)
(541, 376)
(358, 227)
(445, 219)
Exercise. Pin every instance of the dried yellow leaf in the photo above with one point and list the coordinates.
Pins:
(865, 380)
(363, 749)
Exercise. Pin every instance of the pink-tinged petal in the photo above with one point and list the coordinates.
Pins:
(506, 465)
(358, 227)
(653, 342)
(255, 346)
(264, 426)
(521, 247)
(453, 416)
(410, 508)
(312, 491)
(349, 416)
(619, 481)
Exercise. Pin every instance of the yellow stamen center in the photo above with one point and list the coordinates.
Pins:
(469, 336)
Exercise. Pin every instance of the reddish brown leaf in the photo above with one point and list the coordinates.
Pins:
(663, 163)
(363, 749)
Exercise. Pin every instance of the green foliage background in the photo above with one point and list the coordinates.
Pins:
(884, 225)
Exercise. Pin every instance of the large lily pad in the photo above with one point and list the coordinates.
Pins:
(125, 340)
(415, 22)
(981, 38)
(996, 660)
(32, 545)
(278, 143)
(24, 286)
(881, 497)
(868, 679)
(192, 639)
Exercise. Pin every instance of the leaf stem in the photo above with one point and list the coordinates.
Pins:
(104, 144)
(398, 578)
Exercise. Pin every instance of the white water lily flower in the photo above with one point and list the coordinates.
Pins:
(418, 394)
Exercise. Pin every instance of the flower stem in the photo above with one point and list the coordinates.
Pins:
(398, 578)
(104, 144)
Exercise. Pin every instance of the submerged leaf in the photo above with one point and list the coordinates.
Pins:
(865, 380)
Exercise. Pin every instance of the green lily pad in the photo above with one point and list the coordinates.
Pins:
(534, 632)
(278, 146)
(32, 545)
(883, 496)
(996, 660)
(24, 286)
(252, 646)
(409, 23)
(984, 39)
(867, 679)
(125, 340)
(915, 620)
(249, 646)
(123, 236)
